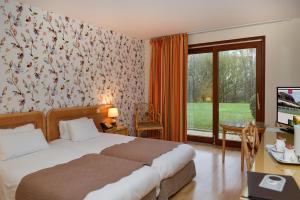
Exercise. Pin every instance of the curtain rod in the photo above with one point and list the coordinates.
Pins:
(239, 26)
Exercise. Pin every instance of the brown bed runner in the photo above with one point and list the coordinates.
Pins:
(140, 150)
(75, 179)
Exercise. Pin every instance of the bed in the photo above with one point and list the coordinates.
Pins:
(176, 168)
(140, 184)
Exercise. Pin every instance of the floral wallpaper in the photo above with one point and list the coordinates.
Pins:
(50, 61)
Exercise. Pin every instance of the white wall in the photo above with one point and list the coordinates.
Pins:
(282, 56)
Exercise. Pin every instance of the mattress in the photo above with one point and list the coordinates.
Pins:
(165, 165)
(135, 186)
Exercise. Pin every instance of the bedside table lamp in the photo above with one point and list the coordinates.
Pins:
(113, 113)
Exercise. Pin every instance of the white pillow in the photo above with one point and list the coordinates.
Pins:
(82, 130)
(13, 145)
(24, 128)
(63, 128)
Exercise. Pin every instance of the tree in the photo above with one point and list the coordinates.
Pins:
(237, 77)
(200, 77)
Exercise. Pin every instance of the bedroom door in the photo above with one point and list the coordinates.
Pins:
(225, 83)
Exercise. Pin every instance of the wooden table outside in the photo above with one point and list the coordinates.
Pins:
(264, 163)
(236, 127)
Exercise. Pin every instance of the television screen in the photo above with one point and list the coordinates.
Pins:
(288, 104)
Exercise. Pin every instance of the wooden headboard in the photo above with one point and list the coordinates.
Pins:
(97, 113)
(18, 119)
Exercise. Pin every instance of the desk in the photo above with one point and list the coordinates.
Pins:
(236, 127)
(264, 163)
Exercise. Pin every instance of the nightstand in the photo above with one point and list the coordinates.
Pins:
(120, 129)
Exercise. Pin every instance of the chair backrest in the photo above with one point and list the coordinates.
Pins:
(250, 142)
(143, 112)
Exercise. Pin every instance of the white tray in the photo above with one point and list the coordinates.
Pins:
(278, 156)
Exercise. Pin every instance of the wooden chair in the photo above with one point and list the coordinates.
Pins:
(250, 143)
(145, 119)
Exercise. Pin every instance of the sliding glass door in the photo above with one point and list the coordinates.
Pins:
(225, 84)
(237, 87)
(200, 87)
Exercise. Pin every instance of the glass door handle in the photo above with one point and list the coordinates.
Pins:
(258, 102)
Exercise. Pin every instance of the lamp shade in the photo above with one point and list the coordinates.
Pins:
(113, 112)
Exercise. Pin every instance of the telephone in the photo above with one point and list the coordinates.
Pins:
(106, 125)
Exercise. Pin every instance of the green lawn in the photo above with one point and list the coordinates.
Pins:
(200, 114)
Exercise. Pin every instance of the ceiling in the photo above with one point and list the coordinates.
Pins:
(152, 18)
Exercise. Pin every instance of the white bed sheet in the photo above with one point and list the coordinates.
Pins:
(166, 165)
(12, 171)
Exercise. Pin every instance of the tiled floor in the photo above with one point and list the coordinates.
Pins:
(214, 181)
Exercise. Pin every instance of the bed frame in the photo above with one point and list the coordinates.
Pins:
(18, 119)
(172, 185)
(97, 113)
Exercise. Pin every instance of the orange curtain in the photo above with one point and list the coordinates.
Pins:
(168, 84)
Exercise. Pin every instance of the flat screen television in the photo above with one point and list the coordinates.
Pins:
(288, 104)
